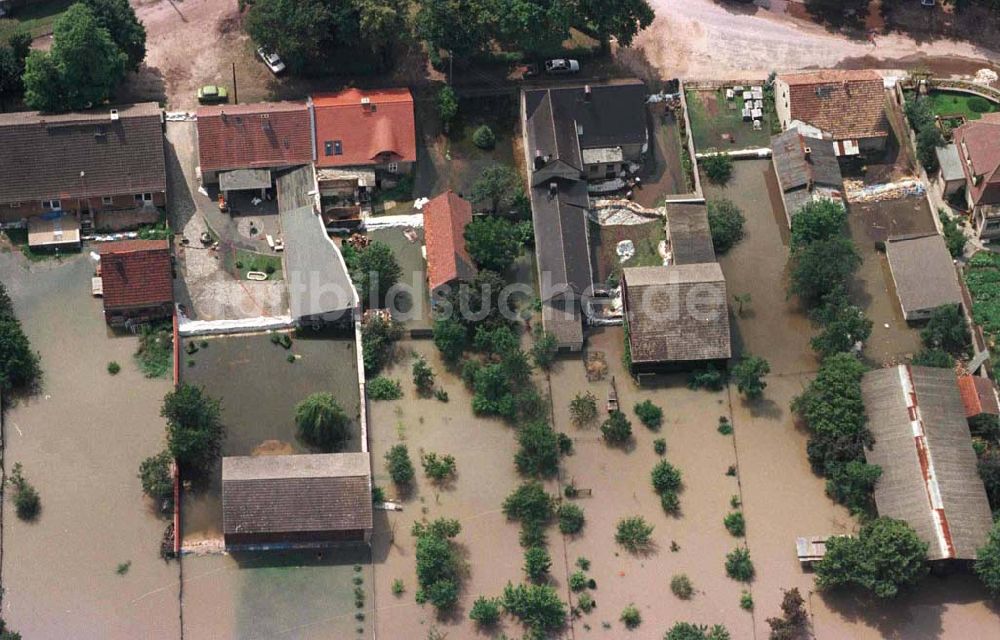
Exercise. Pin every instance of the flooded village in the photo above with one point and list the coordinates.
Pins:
(552, 352)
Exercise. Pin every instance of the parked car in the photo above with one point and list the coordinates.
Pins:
(210, 94)
(272, 60)
(562, 65)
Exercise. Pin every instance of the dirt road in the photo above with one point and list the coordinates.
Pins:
(703, 38)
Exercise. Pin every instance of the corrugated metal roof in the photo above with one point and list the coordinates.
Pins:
(690, 234)
(923, 271)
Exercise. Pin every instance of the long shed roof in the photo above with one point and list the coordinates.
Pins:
(923, 445)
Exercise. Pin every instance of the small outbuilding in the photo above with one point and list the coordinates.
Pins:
(296, 501)
(951, 174)
(676, 317)
(924, 274)
(136, 281)
(807, 169)
(448, 261)
(689, 237)
(979, 395)
(924, 447)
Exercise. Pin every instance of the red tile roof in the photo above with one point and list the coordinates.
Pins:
(381, 130)
(136, 273)
(259, 135)
(978, 395)
(978, 143)
(847, 104)
(445, 218)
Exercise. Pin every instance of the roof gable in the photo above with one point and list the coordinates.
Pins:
(847, 105)
(978, 144)
(136, 273)
(105, 151)
(357, 127)
(265, 134)
(445, 219)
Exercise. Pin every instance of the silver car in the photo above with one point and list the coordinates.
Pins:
(272, 60)
(562, 65)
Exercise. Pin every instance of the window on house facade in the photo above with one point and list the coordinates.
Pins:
(143, 197)
(338, 148)
(14, 205)
(328, 147)
(55, 205)
(392, 167)
(107, 200)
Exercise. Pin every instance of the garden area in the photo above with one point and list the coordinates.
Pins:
(240, 262)
(717, 123)
(954, 103)
(645, 238)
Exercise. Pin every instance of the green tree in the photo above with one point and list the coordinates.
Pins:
(749, 375)
(375, 271)
(886, 556)
(492, 242)
(928, 141)
(665, 477)
(616, 429)
(438, 468)
(535, 27)
(989, 471)
(718, 167)
(194, 427)
(83, 67)
(537, 563)
(735, 523)
(485, 612)
(988, 561)
(379, 334)
(495, 340)
(492, 394)
(19, 364)
(157, 481)
(544, 349)
(447, 105)
(570, 518)
(622, 19)
(499, 188)
(726, 223)
(10, 75)
(953, 235)
(794, 619)
(649, 414)
(947, 330)
(630, 617)
(821, 266)
(450, 337)
(838, 13)
(301, 30)
(27, 503)
(818, 220)
(397, 461)
(538, 606)
(423, 376)
(461, 27)
(583, 408)
(690, 631)
(438, 565)
(843, 325)
(538, 453)
(738, 565)
(321, 421)
(380, 23)
(851, 484)
(8, 634)
(634, 533)
(118, 17)
(528, 503)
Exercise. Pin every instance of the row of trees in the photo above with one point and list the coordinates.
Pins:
(20, 368)
(94, 44)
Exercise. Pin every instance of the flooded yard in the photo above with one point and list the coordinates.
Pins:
(413, 301)
(81, 439)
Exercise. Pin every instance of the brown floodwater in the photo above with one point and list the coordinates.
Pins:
(81, 440)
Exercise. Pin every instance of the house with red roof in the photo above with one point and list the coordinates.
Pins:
(239, 146)
(844, 106)
(448, 261)
(366, 128)
(136, 280)
(978, 145)
(979, 396)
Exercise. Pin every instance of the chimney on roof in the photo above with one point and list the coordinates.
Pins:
(808, 151)
(539, 159)
(114, 115)
(366, 103)
(587, 93)
(553, 188)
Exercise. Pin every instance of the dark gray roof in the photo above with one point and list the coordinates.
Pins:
(564, 320)
(798, 170)
(951, 163)
(923, 445)
(614, 115)
(678, 313)
(243, 179)
(318, 282)
(551, 134)
(561, 237)
(43, 155)
(923, 271)
(690, 235)
(296, 493)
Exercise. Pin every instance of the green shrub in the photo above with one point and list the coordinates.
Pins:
(578, 581)
(423, 376)
(617, 429)
(718, 167)
(484, 138)
(537, 606)
(114, 368)
(681, 586)
(725, 427)
(438, 469)
(27, 503)
(660, 446)
(398, 587)
(537, 563)
(738, 565)
(634, 533)
(583, 408)
(947, 330)
(586, 602)
(157, 481)
(979, 104)
(725, 220)
(447, 104)
(631, 617)
(649, 414)
(399, 465)
(707, 378)
(382, 388)
(538, 452)
(735, 524)
(583, 563)
(665, 477)
(570, 518)
(746, 601)
(485, 611)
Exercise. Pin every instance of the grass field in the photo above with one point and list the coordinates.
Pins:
(948, 103)
(711, 118)
(35, 18)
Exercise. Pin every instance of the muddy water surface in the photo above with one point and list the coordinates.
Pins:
(81, 440)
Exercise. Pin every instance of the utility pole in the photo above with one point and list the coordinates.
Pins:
(236, 95)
